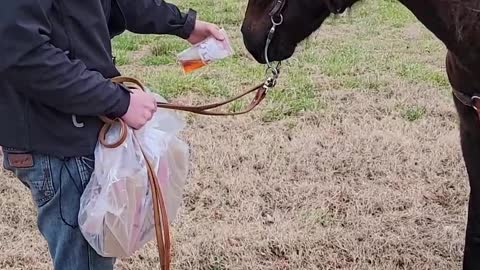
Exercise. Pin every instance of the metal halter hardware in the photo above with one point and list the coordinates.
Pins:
(276, 18)
(474, 99)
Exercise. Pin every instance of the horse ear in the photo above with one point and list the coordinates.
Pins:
(348, 11)
(336, 6)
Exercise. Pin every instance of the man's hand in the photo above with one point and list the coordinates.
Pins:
(202, 30)
(141, 109)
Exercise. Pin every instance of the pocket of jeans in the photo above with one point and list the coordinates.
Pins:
(86, 165)
(36, 176)
(73, 177)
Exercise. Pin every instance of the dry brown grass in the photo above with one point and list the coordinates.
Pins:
(351, 185)
(351, 188)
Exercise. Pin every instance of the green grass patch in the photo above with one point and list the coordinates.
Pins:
(168, 46)
(394, 13)
(418, 72)
(152, 60)
(121, 57)
(380, 14)
(164, 51)
(222, 13)
(344, 60)
(126, 42)
(237, 106)
(171, 82)
(414, 113)
(289, 100)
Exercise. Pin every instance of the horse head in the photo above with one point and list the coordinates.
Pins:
(298, 19)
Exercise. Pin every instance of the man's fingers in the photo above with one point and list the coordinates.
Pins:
(152, 105)
(148, 116)
(136, 91)
(154, 102)
(215, 31)
(136, 126)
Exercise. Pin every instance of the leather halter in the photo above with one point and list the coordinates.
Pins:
(278, 8)
(276, 18)
(472, 101)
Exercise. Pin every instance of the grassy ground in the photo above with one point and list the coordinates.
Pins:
(353, 162)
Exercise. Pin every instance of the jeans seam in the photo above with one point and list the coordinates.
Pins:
(85, 163)
(82, 171)
(73, 180)
(89, 252)
(47, 174)
(46, 188)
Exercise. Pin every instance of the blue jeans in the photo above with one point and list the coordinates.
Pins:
(56, 186)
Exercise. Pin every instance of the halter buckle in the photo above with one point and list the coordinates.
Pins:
(277, 19)
(270, 83)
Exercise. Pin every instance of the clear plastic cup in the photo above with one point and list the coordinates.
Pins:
(205, 52)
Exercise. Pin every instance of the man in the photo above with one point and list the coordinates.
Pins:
(55, 67)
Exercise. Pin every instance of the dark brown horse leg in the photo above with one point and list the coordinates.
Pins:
(470, 140)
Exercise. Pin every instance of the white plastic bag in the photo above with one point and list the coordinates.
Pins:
(116, 211)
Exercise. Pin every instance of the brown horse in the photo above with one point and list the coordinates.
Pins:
(454, 22)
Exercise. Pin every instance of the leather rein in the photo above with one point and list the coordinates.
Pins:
(162, 233)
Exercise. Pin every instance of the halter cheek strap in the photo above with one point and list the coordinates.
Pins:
(276, 18)
(472, 101)
(278, 8)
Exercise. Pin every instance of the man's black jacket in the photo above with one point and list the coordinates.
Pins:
(55, 61)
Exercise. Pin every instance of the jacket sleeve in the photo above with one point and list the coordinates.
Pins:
(156, 17)
(45, 73)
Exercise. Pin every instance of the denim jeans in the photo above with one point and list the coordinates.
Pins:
(56, 186)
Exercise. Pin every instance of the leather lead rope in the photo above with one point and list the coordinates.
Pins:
(162, 231)
(260, 89)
